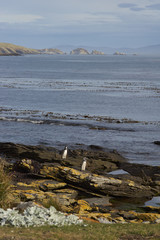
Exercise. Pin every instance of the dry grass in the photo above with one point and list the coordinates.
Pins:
(5, 188)
(92, 231)
(8, 48)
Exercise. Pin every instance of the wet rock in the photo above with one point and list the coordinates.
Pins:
(99, 161)
(125, 176)
(38, 153)
(145, 172)
(152, 209)
(96, 147)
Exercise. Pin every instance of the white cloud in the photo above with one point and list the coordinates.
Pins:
(125, 18)
(87, 18)
(19, 18)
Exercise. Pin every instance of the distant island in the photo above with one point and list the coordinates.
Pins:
(95, 52)
(119, 53)
(82, 51)
(51, 51)
(79, 51)
(8, 49)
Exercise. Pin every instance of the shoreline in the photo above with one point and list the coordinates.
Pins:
(41, 176)
(106, 163)
(134, 139)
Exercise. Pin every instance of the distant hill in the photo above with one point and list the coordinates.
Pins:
(51, 51)
(153, 49)
(79, 51)
(95, 52)
(148, 50)
(82, 51)
(7, 49)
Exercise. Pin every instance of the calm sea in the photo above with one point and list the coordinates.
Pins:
(110, 101)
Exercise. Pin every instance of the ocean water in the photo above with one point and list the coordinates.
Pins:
(109, 101)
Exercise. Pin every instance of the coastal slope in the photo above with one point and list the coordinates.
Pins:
(7, 49)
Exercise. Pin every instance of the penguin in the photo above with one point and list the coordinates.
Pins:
(64, 154)
(83, 167)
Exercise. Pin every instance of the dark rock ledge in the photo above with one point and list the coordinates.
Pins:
(40, 175)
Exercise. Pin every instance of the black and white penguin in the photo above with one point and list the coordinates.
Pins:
(83, 167)
(64, 154)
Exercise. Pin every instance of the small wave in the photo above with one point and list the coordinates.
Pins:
(66, 123)
(6, 119)
(40, 117)
(30, 121)
(21, 120)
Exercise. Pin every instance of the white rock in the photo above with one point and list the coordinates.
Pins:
(36, 216)
(104, 220)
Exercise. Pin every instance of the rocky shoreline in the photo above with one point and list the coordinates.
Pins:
(40, 176)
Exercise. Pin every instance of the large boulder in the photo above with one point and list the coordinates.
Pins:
(97, 183)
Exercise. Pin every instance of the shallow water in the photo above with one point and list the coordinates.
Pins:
(111, 101)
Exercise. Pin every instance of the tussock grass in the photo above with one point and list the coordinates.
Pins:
(5, 188)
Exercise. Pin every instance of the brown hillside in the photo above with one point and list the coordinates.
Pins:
(7, 49)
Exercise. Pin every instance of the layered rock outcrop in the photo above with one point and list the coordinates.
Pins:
(40, 175)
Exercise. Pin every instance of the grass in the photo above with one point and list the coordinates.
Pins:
(5, 188)
(92, 231)
(8, 48)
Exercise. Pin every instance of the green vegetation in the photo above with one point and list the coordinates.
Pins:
(92, 231)
(5, 188)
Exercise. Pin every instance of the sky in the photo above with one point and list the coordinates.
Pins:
(101, 23)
